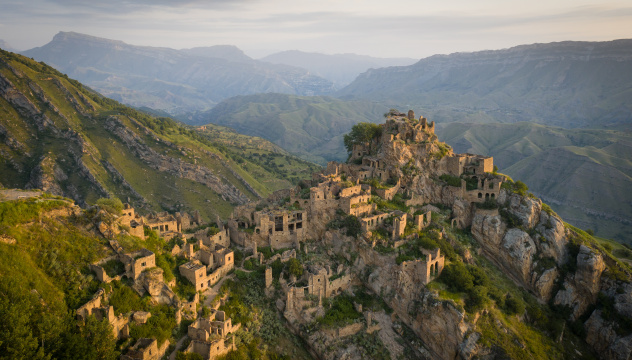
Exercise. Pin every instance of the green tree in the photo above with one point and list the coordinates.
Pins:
(361, 133)
(295, 267)
(93, 339)
(113, 205)
(457, 277)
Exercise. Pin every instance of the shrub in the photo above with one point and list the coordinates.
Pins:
(457, 277)
(451, 180)
(124, 299)
(341, 312)
(112, 205)
(477, 299)
(514, 306)
(295, 267)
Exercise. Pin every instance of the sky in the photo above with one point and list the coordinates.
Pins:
(382, 28)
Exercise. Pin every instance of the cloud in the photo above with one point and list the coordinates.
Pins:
(413, 27)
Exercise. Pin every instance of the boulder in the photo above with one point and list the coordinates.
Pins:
(526, 209)
(601, 335)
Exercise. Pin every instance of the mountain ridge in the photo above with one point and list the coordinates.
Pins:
(568, 84)
(176, 81)
(341, 69)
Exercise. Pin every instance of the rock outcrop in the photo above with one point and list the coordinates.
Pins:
(580, 289)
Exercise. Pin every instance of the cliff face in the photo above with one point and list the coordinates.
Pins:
(537, 257)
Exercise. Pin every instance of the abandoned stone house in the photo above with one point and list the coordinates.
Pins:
(488, 188)
(321, 282)
(211, 266)
(162, 222)
(210, 350)
(221, 238)
(133, 221)
(422, 271)
(469, 164)
(135, 263)
(209, 335)
(146, 349)
(216, 324)
(120, 324)
(283, 228)
(186, 221)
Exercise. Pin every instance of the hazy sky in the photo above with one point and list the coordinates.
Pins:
(386, 28)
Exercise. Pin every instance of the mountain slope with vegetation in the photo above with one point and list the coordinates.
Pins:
(176, 81)
(568, 84)
(310, 127)
(59, 136)
(583, 174)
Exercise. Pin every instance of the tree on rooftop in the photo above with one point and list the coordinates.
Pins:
(362, 133)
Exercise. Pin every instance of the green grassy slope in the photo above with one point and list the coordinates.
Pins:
(143, 159)
(584, 174)
(310, 127)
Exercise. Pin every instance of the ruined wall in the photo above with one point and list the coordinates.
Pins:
(387, 194)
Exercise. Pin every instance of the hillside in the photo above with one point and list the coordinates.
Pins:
(567, 84)
(309, 127)
(176, 81)
(58, 136)
(583, 174)
(393, 254)
(341, 69)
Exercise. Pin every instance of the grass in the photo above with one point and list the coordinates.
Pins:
(516, 339)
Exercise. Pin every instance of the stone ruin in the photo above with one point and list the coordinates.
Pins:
(210, 336)
(209, 265)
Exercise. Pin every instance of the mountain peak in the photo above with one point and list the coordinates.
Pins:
(64, 36)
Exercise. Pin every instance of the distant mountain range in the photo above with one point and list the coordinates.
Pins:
(341, 69)
(568, 84)
(584, 174)
(176, 81)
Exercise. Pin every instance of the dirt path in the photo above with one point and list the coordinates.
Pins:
(211, 292)
(15, 194)
(172, 356)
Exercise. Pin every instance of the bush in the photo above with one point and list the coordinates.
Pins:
(113, 268)
(361, 133)
(341, 312)
(514, 306)
(517, 187)
(454, 181)
(350, 222)
(124, 299)
(113, 205)
(457, 277)
(295, 267)
(477, 299)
